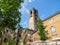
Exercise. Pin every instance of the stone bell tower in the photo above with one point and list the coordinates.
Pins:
(33, 19)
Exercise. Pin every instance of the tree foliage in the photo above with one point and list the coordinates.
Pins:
(41, 30)
(9, 13)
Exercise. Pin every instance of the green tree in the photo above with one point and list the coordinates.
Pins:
(9, 14)
(41, 30)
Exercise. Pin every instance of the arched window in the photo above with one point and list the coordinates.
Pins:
(53, 30)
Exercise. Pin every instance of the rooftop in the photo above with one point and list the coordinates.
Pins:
(52, 16)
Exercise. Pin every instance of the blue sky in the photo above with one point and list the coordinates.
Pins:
(45, 9)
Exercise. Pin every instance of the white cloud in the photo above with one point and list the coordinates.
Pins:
(27, 11)
(30, 0)
(24, 9)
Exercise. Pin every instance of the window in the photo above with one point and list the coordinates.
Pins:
(30, 13)
(50, 20)
(53, 30)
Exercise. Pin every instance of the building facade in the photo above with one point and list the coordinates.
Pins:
(52, 24)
